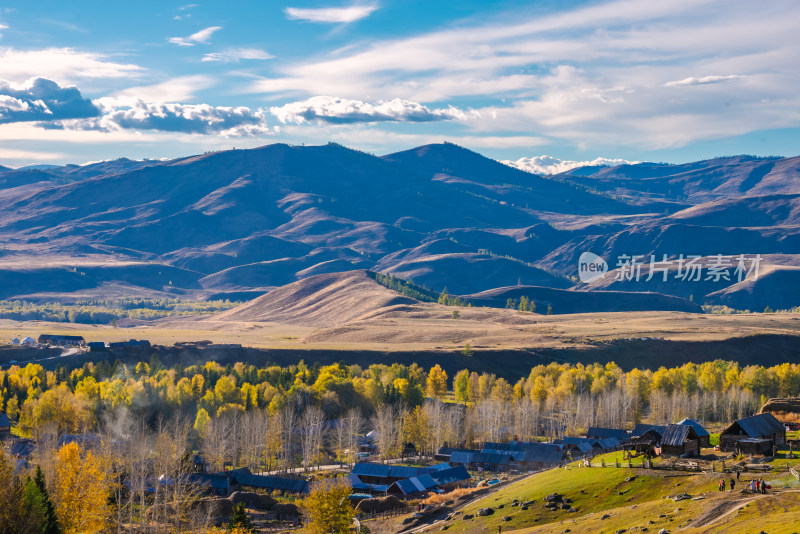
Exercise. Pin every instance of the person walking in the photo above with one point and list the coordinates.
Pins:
(753, 486)
(733, 483)
(763, 487)
(758, 485)
(737, 475)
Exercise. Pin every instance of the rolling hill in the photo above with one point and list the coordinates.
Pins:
(321, 301)
(444, 216)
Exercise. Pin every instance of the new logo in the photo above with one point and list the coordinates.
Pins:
(591, 267)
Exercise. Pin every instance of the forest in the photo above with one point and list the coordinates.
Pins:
(136, 424)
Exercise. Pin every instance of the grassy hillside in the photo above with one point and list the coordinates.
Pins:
(608, 500)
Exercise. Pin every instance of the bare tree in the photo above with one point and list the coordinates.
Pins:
(288, 420)
(355, 425)
(217, 444)
(387, 424)
(311, 435)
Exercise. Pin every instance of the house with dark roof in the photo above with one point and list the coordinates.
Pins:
(413, 486)
(644, 443)
(485, 461)
(641, 428)
(451, 478)
(702, 433)
(360, 486)
(444, 453)
(445, 479)
(601, 433)
(381, 474)
(679, 440)
(578, 446)
(5, 426)
(215, 484)
(763, 425)
(246, 479)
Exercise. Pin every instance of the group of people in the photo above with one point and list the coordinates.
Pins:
(756, 485)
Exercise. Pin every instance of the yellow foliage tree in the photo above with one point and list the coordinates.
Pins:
(81, 491)
(327, 509)
(437, 382)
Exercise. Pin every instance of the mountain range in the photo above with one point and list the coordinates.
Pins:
(444, 217)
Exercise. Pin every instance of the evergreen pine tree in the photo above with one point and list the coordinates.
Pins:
(49, 520)
(240, 520)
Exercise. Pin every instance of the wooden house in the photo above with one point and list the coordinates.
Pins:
(763, 425)
(679, 440)
(645, 443)
(702, 433)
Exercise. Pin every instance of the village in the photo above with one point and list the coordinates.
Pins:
(425, 488)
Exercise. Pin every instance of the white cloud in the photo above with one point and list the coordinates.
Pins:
(237, 54)
(549, 165)
(63, 65)
(125, 113)
(40, 99)
(331, 15)
(203, 36)
(341, 111)
(2, 27)
(177, 89)
(704, 80)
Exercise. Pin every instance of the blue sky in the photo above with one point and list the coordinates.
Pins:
(636, 80)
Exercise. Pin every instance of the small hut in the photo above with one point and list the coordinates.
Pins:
(679, 440)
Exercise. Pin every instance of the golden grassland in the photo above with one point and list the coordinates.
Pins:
(481, 328)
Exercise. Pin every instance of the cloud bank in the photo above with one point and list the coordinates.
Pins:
(333, 110)
(134, 114)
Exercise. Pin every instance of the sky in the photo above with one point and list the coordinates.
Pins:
(544, 83)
